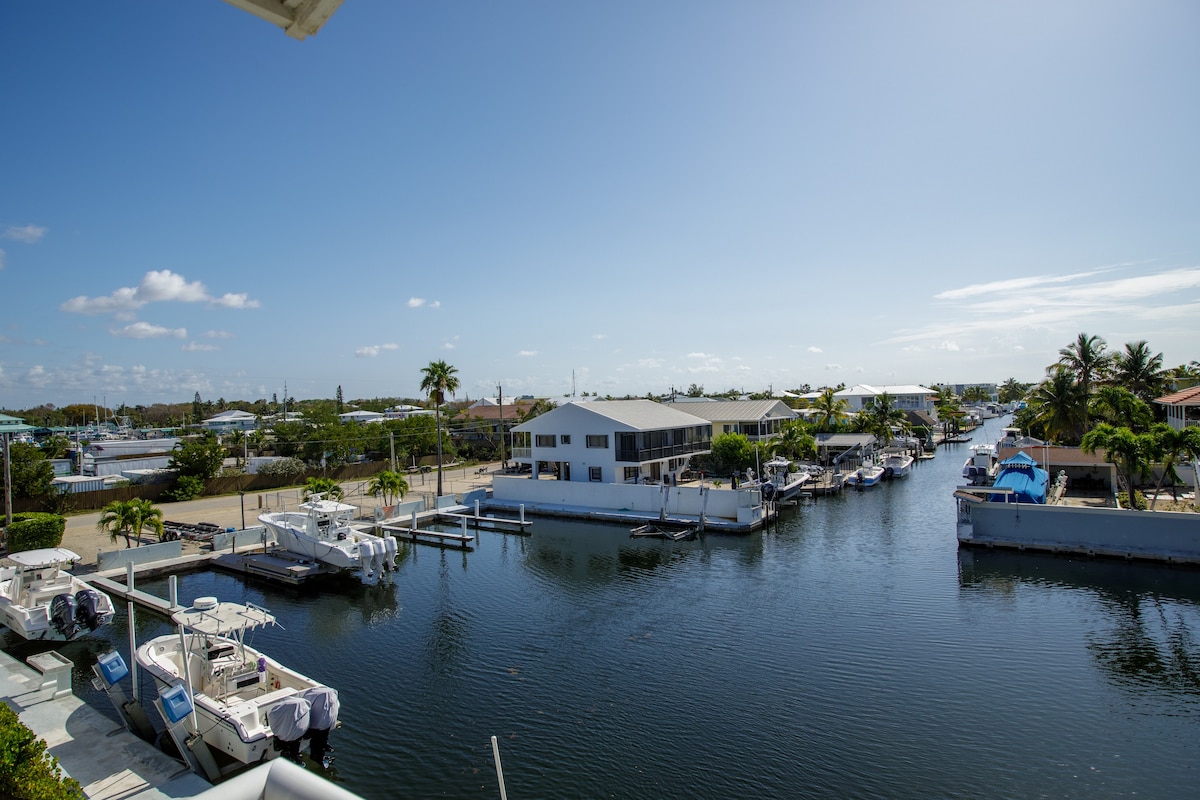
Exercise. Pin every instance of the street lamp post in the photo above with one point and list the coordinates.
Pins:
(242, 497)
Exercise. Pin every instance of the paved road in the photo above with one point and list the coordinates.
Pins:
(226, 511)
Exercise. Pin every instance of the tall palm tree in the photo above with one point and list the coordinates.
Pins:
(1059, 406)
(833, 410)
(1139, 370)
(129, 518)
(1012, 390)
(1088, 360)
(1170, 446)
(439, 379)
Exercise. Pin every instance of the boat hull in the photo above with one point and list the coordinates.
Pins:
(231, 700)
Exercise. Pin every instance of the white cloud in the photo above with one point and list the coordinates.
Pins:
(698, 355)
(23, 233)
(833, 366)
(144, 330)
(649, 363)
(157, 286)
(815, 349)
(2, 259)
(948, 346)
(448, 346)
(373, 350)
(197, 347)
(418, 302)
(527, 352)
(599, 335)
(218, 335)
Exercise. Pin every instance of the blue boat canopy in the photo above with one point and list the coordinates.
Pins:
(1021, 474)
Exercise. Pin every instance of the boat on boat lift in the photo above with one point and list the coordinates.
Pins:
(244, 704)
(323, 530)
(41, 600)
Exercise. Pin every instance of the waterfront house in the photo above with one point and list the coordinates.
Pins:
(611, 441)
(361, 416)
(1183, 407)
(758, 420)
(620, 460)
(906, 397)
(229, 421)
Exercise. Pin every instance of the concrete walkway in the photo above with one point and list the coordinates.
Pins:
(107, 760)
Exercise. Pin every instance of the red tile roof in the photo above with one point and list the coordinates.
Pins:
(1185, 397)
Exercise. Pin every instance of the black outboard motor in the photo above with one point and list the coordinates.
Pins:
(87, 609)
(289, 721)
(324, 706)
(62, 614)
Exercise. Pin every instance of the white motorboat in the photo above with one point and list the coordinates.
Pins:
(244, 704)
(897, 465)
(322, 530)
(40, 599)
(868, 474)
(981, 466)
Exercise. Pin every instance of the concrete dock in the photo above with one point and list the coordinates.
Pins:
(108, 761)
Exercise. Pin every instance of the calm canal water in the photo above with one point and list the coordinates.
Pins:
(851, 651)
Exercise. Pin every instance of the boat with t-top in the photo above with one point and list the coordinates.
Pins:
(323, 530)
(243, 703)
(40, 599)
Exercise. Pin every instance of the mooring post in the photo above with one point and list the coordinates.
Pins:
(522, 507)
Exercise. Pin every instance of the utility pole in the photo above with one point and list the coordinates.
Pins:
(500, 394)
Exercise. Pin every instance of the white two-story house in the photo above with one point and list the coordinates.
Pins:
(611, 441)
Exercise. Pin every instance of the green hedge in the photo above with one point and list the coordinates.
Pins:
(34, 530)
(27, 771)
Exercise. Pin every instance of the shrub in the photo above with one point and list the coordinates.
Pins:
(27, 771)
(187, 487)
(1137, 504)
(284, 468)
(34, 530)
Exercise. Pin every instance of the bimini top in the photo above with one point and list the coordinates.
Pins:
(211, 618)
(323, 506)
(46, 557)
(1020, 474)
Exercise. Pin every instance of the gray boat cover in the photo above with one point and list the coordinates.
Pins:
(289, 718)
(323, 714)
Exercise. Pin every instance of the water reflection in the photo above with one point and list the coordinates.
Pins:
(1151, 612)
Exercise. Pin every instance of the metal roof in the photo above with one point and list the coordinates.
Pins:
(740, 410)
(638, 415)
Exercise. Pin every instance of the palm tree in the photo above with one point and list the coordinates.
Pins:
(322, 486)
(389, 484)
(1088, 361)
(1127, 450)
(833, 409)
(1118, 406)
(794, 441)
(1139, 371)
(1012, 390)
(439, 378)
(883, 417)
(1059, 406)
(1169, 447)
(129, 517)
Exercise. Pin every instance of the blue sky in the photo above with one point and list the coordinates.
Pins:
(618, 197)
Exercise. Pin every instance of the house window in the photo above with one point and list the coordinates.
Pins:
(631, 474)
(598, 441)
(565, 438)
(594, 474)
(544, 440)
